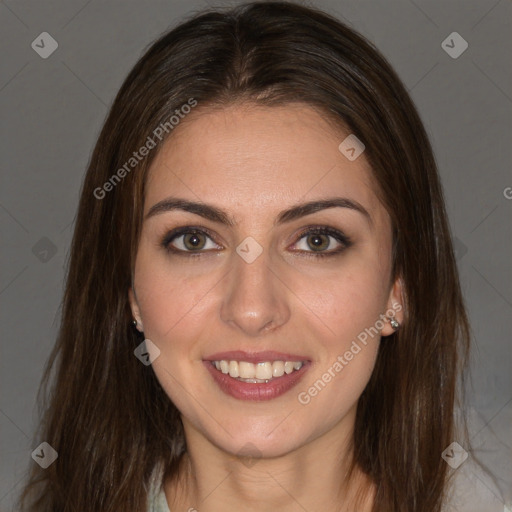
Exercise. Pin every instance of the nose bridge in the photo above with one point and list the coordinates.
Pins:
(255, 300)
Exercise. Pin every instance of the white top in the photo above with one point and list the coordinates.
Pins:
(471, 490)
(157, 501)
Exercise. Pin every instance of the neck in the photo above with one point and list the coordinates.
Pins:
(312, 477)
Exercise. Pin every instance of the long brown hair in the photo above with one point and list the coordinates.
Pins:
(106, 414)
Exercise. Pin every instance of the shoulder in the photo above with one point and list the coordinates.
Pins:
(156, 501)
(472, 489)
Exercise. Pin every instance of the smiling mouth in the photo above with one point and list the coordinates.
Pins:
(257, 373)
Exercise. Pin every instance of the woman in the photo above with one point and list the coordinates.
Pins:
(262, 309)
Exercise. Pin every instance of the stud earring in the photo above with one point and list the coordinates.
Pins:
(394, 323)
(135, 324)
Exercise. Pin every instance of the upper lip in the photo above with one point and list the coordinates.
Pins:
(255, 357)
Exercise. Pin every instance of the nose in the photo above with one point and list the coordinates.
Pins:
(255, 299)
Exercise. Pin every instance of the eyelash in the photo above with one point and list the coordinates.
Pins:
(340, 237)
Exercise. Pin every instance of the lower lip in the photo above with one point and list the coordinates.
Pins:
(256, 391)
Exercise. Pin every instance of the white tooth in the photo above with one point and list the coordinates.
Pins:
(233, 369)
(277, 368)
(288, 367)
(224, 366)
(264, 370)
(246, 370)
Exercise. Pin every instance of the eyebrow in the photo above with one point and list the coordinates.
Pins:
(215, 214)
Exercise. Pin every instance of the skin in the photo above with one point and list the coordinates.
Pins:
(253, 162)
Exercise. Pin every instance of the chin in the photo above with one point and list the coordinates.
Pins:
(266, 439)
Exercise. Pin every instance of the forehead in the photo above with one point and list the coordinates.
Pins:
(255, 158)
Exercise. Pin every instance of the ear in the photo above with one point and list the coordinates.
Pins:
(135, 309)
(395, 306)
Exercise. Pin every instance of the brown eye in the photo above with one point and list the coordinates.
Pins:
(322, 241)
(191, 241)
(318, 242)
(194, 241)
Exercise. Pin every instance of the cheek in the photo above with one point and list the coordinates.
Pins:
(171, 302)
(347, 300)
(349, 305)
(174, 307)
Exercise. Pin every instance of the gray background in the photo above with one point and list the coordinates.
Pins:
(52, 110)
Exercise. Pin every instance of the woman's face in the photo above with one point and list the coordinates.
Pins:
(243, 277)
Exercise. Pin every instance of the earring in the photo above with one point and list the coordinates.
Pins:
(394, 323)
